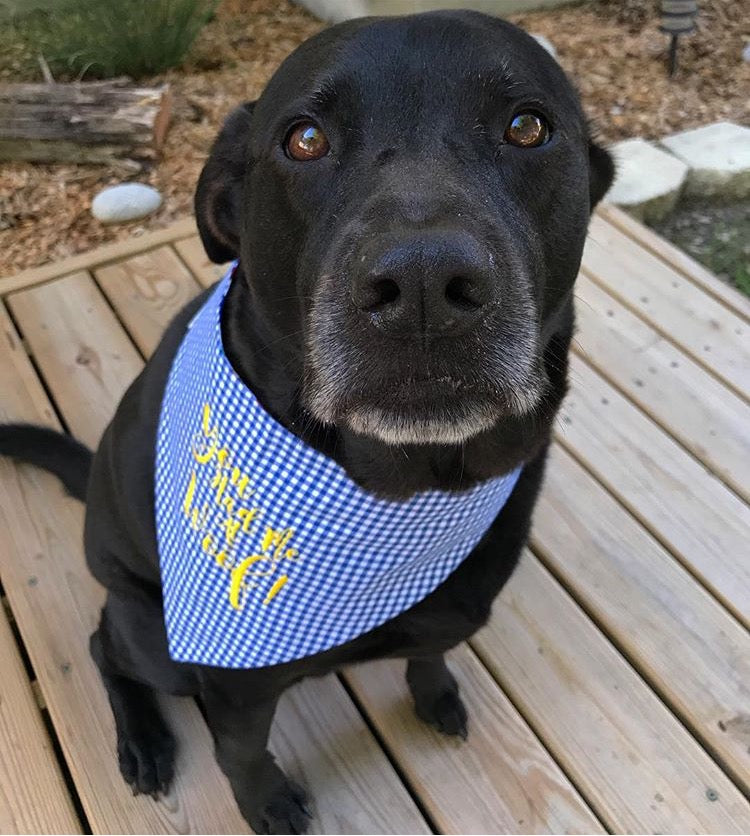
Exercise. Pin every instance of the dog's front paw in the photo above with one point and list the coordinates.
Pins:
(284, 810)
(147, 760)
(445, 711)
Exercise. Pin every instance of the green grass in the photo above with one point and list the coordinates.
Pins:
(727, 254)
(716, 235)
(742, 280)
(105, 38)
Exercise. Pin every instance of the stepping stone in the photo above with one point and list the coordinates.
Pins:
(718, 157)
(648, 181)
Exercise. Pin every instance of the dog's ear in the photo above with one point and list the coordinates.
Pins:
(219, 192)
(601, 172)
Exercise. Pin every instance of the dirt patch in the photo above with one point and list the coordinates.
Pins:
(613, 50)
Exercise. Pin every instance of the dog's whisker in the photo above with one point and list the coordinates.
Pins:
(280, 339)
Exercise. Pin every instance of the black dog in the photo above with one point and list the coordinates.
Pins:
(408, 201)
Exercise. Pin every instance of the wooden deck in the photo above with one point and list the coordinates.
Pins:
(611, 690)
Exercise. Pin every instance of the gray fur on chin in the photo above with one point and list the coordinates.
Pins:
(396, 429)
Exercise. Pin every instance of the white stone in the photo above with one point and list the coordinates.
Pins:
(125, 202)
(546, 43)
(338, 10)
(718, 158)
(648, 181)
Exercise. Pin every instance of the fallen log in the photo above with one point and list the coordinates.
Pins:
(88, 122)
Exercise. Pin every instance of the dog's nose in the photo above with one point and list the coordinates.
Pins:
(437, 283)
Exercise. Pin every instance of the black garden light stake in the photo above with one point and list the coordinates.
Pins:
(677, 18)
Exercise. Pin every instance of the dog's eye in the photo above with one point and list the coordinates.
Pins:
(306, 141)
(527, 130)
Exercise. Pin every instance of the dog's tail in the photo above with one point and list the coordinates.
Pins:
(60, 454)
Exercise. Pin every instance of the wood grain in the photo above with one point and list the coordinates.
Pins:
(712, 334)
(17, 378)
(85, 122)
(500, 781)
(681, 396)
(192, 253)
(86, 359)
(33, 795)
(634, 762)
(695, 655)
(323, 743)
(146, 291)
(677, 259)
(685, 506)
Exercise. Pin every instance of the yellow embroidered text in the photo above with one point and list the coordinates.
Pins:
(226, 519)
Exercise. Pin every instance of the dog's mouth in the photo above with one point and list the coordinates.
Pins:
(443, 408)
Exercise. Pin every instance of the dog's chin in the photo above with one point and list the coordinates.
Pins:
(412, 414)
(409, 426)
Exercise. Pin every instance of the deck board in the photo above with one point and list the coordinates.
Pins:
(319, 737)
(631, 759)
(700, 520)
(33, 795)
(147, 290)
(501, 780)
(594, 546)
(681, 396)
(612, 685)
(712, 334)
(676, 258)
(86, 359)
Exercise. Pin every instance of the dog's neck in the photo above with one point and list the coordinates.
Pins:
(270, 365)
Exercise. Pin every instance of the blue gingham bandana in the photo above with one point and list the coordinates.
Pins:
(268, 550)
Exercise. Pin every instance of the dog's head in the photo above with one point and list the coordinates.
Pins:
(409, 199)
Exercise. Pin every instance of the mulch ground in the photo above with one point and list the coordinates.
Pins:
(612, 48)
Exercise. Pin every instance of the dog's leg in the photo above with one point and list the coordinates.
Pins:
(436, 698)
(240, 719)
(145, 745)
